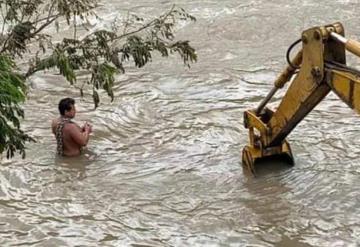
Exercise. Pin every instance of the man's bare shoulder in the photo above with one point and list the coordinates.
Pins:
(71, 126)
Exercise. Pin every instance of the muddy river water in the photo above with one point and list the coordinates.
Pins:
(164, 162)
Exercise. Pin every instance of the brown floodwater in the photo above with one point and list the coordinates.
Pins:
(163, 167)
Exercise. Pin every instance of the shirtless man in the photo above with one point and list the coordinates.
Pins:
(69, 136)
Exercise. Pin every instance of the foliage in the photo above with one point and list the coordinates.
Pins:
(12, 93)
(101, 52)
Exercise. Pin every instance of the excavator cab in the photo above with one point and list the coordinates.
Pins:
(318, 68)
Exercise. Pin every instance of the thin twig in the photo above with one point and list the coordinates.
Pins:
(51, 9)
(45, 25)
(149, 24)
(45, 19)
(75, 26)
(126, 22)
(4, 18)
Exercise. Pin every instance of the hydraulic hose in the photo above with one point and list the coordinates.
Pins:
(288, 54)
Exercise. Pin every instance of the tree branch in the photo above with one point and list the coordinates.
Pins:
(45, 25)
(149, 24)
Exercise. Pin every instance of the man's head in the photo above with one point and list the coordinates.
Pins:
(67, 107)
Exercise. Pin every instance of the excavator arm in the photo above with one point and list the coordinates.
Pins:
(317, 69)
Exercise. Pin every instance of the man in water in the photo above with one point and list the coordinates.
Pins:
(70, 137)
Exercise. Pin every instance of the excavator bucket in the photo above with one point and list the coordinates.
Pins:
(252, 155)
(259, 136)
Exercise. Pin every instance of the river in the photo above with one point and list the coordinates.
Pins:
(164, 161)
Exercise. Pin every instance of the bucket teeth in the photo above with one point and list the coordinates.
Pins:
(248, 161)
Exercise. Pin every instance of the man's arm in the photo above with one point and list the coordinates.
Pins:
(79, 136)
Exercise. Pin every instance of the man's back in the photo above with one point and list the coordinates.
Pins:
(72, 137)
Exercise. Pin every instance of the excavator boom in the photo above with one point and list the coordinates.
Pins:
(320, 67)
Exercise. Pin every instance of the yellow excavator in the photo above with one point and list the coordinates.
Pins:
(318, 68)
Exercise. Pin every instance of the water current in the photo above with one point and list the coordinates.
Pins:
(163, 166)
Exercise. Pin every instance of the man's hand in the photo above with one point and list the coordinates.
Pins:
(87, 127)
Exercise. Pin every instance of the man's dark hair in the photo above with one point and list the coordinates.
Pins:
(65, 105)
